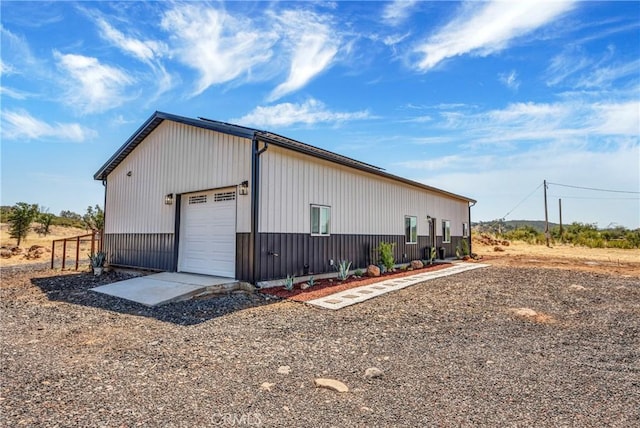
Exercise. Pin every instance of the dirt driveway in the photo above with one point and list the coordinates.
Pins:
(499, 346)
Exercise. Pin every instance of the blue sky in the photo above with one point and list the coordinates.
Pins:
(485, 99)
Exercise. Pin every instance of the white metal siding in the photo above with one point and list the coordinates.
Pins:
(361, 203)
(175, 158)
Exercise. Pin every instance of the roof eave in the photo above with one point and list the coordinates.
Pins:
(348, 162)
(152, 123)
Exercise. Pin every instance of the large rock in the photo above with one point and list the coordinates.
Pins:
(5, 254)
(373, 270)
(417, 264)
(332, 384)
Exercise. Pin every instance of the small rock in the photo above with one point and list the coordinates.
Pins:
(284, 370)
(498, 249)
(154, 343)
(304, 286)
(266, 386)
(372, 372)
(366, 409)
(373, 271)
(417, 264)
(5, 254)
(525, 312)
(332, 384)
(577, 287)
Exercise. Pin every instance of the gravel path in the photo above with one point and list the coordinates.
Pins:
(492, 347)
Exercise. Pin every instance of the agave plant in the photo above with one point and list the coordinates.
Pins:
(288, 283)
(97, 259)
(343, 270)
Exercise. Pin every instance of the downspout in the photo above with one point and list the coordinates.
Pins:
(470, 240)
(104, 216)
(255, 202)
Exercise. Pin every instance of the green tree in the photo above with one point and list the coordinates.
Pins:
(94, 218)
(20, 219)
(45, 219)
(69, 219)
(5, 210)
(70, 215)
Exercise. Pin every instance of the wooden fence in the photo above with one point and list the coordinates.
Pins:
(94, 238)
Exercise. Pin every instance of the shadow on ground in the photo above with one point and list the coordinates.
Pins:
(75, 288)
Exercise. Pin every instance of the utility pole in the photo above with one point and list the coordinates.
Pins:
(560, 209)
(546, 214)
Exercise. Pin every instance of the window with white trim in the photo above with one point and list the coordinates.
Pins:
(446, 231)
(320, 220)
(465, 230)
(410, 229)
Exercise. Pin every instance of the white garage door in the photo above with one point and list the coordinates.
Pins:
(208, 233)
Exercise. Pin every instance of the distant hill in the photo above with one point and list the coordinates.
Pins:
(512, 224)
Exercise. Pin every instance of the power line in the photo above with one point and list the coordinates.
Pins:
(592, 188)
(598, 199)
(522, 201)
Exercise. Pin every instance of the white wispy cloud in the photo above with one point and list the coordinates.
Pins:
(604, 76)
(6, 69)
(144, 50)
(575, 68)
(220, 47)
(566, 64)
(510, 80)
(92, 86)
(397, 12)
(443, 162)
(14, 93)
(314, 45)
(580, 122)
(484, 28)
(616, 118)
(20, 125)
(149, 52)
(16, 52)
(310, 112)
(482, 177)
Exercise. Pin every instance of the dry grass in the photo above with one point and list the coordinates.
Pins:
(57, 232)
(558, 256)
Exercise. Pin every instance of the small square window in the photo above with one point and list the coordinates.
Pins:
(411, 230)
(465, 230)
(446, 231)
(320, 220)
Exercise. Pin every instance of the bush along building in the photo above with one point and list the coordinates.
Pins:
(207, 197)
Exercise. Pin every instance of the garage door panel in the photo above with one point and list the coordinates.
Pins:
(208, 233)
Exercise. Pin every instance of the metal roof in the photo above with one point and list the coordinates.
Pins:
(241, 131)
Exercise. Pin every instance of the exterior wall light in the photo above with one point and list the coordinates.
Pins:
(168, 199)
(244, 188)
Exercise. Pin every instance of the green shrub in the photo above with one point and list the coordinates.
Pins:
(465, 247)
(385, 251)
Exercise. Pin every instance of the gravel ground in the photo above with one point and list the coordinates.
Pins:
(455, 351)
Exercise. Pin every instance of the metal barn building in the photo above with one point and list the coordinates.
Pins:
(202, 196)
